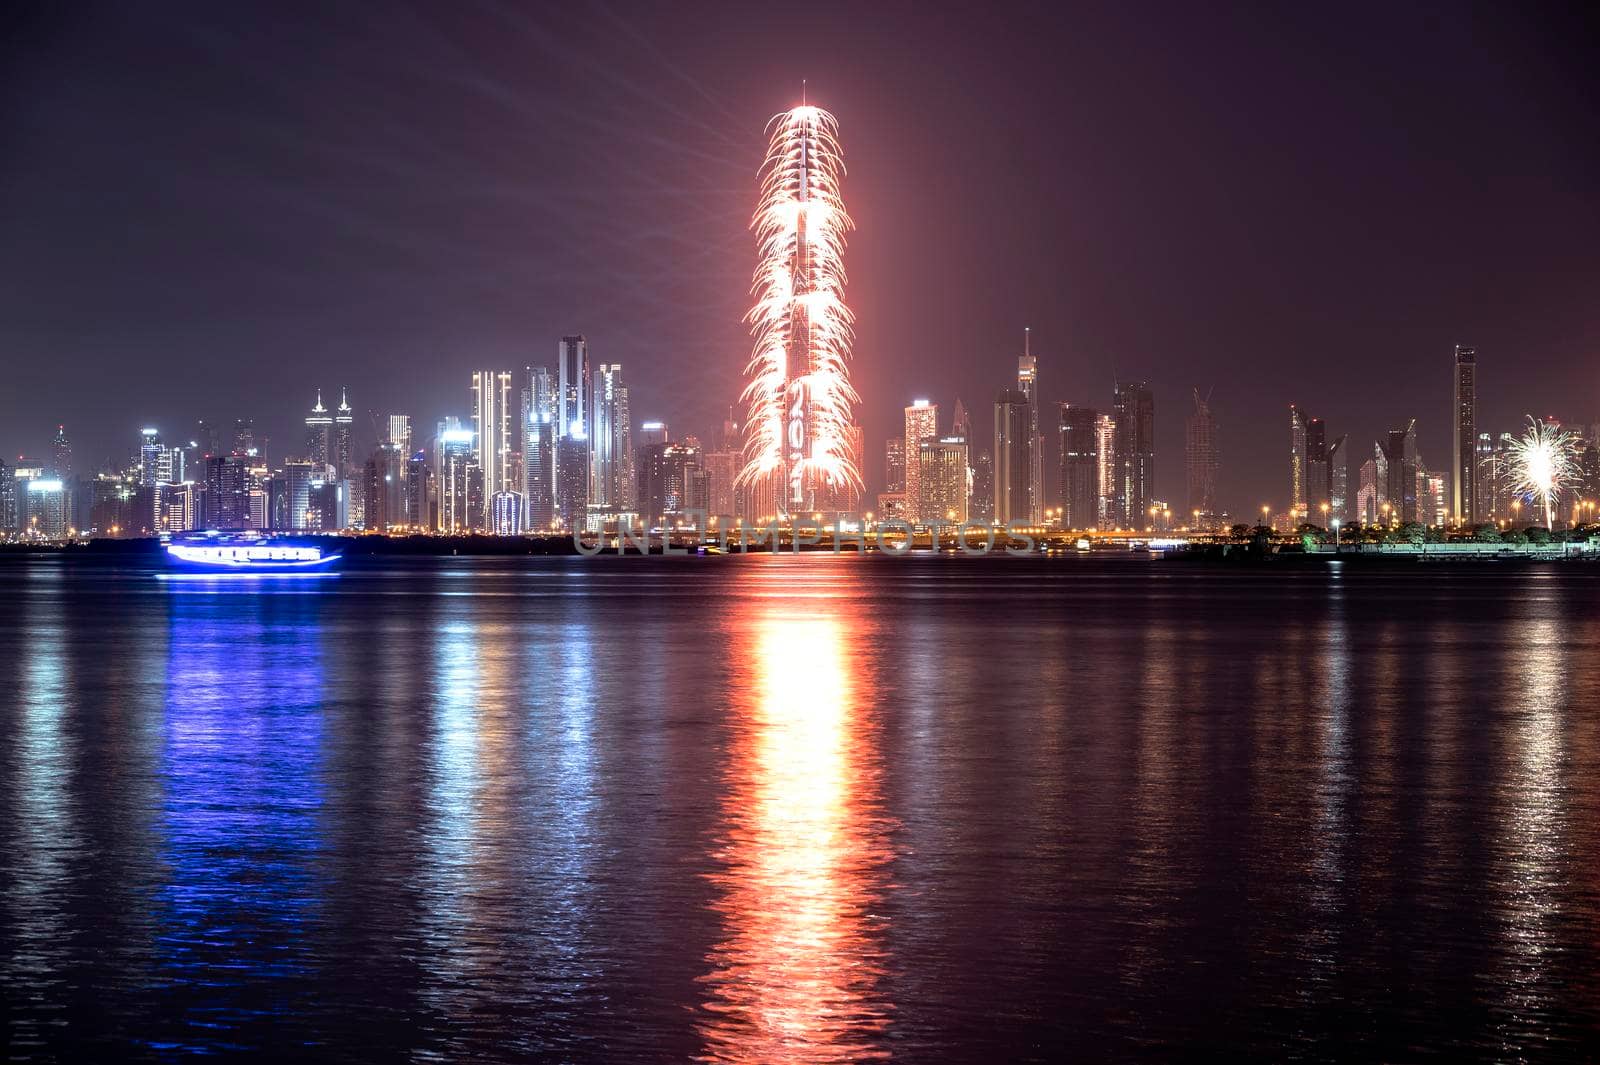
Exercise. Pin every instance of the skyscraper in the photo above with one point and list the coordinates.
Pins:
(1401, 490)
(1338, 480)
(492, 421)
(894, 465)
(573, 384)
(1200, 439)
(610, 442)
(319, 426)
(1012, 457)
(1133, 410)
(1464, 508)
(1298, 491)
(1028, 385)
(339, 448)
(1105, 446)
(799, 449)
(459, 478)
(943, 479)
(61, 455)
(922, 423)
(1080, 468)
(539, 407)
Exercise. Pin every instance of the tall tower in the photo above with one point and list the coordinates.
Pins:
(492, 421)
(799, 446)
(1201, 440)
(1464, 506)
(1028, 385)
(608, 438)
(922, 424)
(61, 455)
(1080, 467)
(1012, 430)
(343, 423)
(538, 446)
(319, 425)
(1133, 409)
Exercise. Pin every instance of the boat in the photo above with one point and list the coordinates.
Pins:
(215, 552)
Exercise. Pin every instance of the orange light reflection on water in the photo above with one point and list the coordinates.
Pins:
(798, 972)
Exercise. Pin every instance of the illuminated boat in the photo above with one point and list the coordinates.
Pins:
(247, 554)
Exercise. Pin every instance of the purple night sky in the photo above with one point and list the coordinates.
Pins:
(211, 209)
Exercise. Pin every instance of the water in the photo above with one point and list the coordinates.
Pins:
(809, 809)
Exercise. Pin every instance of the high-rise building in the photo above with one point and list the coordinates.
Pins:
(573, 384)
(226, 493)
(672, 481)
(1338, 480)
(61, 455)
(572, 480)
(505, 514)
(961, 423)
(1464, 508)
(8, 499)
(492, 421)
(1316, 470)
(1298, 492)
(722, 469)
(1028, 385)
(1012, 457)
(1105, 443)
(894, 465)
(943, 479)
(982, 506)
(340, 443)
(1402, 465)
(46, 500)
(319, 430)
(152, 457)
(459, 478)
(922, 423)
(539, 408)
(1200, 446)
(799, 451)
(610, 442)
(1080, 467)
(1133, 410)
(244, 439)
(1369, 490)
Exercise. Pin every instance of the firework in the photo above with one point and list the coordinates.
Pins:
(798, 440)
(1542, 463)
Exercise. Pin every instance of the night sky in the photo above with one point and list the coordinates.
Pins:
(208, 210)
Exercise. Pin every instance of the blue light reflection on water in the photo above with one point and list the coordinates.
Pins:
(240, 832)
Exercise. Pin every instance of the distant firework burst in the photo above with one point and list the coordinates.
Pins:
(1543, 462)
(799, 450)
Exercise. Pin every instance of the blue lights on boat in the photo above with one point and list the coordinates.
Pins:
(249, 557)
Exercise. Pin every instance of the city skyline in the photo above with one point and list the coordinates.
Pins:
(1248, 279)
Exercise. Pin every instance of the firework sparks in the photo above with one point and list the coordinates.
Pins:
(799, 400)
(1542, 463)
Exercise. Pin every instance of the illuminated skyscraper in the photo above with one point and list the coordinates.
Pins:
(573, 384)
(1133, 409)
(1464, 506)
(922, 423)
(61, 455)
(340, 456)
(1201, 448)
(798, 448)
(1402, 489)
(1012, 457)
(493, 421)
(152, 458)
(459, 478)
(1105, 442)
(1080, 467)
(610, 443)
(1028, 385)
(539, 406)
(943, 479)
(894, 465)
(319, 429)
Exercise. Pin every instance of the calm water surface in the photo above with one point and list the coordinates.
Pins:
(813, 809)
